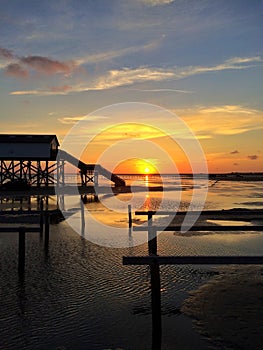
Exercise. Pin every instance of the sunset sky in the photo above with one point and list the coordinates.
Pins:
(201, 60)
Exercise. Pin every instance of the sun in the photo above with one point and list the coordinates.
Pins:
(147, 170)
(136, 166)
(145, 167)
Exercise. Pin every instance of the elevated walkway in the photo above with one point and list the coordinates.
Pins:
(87, 169)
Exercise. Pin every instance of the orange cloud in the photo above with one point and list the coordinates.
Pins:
(46, 65)
(19, 66)
(15, 70)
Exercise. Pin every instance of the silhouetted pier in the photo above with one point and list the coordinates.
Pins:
(37, 161)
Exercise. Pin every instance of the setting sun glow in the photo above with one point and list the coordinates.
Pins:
(147, 170)
(137, 166)
(145, 167)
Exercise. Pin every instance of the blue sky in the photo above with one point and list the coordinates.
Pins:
(60, 60)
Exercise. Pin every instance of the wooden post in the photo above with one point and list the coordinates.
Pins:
(21, 203)
(62, 172)
(82, 178)
(29, 170)
(130, 216)
(96, 178)
(152, 237)
(38, 173)
(21, 250)
(21, 169)
(46, 177)
(82, 217)
(155, 288)
(156, 307)
(41, 222)
(46, 230)
(150, 218)
(29, 203)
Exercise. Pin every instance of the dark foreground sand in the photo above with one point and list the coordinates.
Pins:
(229, 308)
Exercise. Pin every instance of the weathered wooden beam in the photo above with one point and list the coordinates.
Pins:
(194, 260)
(234, 211)
(203, 228)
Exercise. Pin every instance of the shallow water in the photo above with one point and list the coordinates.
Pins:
(80, 296)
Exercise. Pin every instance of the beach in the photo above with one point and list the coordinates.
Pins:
(228, 308)
(79, 295)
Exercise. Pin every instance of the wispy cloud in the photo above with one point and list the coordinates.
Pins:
(229, 109)
(70, 120)
(222, 120)
(232, 63)
(156, 2)
(111, 54)
(238, 60)
(165, 90)
(253, 157)
(76, 119)
(128, 76)
(36, 92)
(22, 66)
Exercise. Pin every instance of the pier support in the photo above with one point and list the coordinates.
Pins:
(21, 250)
(37, 172)
(41, 219)
(82, 211)
(46, 231)
(130, 216)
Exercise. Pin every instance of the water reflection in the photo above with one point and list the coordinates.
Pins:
(67, 299)
(146, 180)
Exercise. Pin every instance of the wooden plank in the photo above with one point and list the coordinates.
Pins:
(195, 260)
(236, 211)
(209, 228)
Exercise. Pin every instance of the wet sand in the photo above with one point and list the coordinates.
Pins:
(228, 309)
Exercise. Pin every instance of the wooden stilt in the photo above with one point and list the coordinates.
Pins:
(41, 223)
(21, 250)
(46, 231)
(82, 211)
(130, 216)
